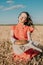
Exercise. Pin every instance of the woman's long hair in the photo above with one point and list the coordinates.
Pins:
(29, 20)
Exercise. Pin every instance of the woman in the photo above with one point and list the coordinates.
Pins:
(23, 46)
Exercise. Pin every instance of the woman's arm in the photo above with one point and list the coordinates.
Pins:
(29, 36)
(11, 38)
(30, 39)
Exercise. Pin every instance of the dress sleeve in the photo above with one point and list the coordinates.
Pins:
(12, 27)
(31, 29)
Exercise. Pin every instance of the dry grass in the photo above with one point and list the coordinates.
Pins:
(7, 59)
(6, 47)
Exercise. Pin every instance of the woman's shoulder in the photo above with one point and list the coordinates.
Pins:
(30, 28)
(12, 27)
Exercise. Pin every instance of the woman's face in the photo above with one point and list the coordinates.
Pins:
(22, 18)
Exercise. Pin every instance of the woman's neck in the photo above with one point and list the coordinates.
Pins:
(21, 23)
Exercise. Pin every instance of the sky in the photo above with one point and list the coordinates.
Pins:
(10, 10)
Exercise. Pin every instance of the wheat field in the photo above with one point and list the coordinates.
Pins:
(6, 47)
